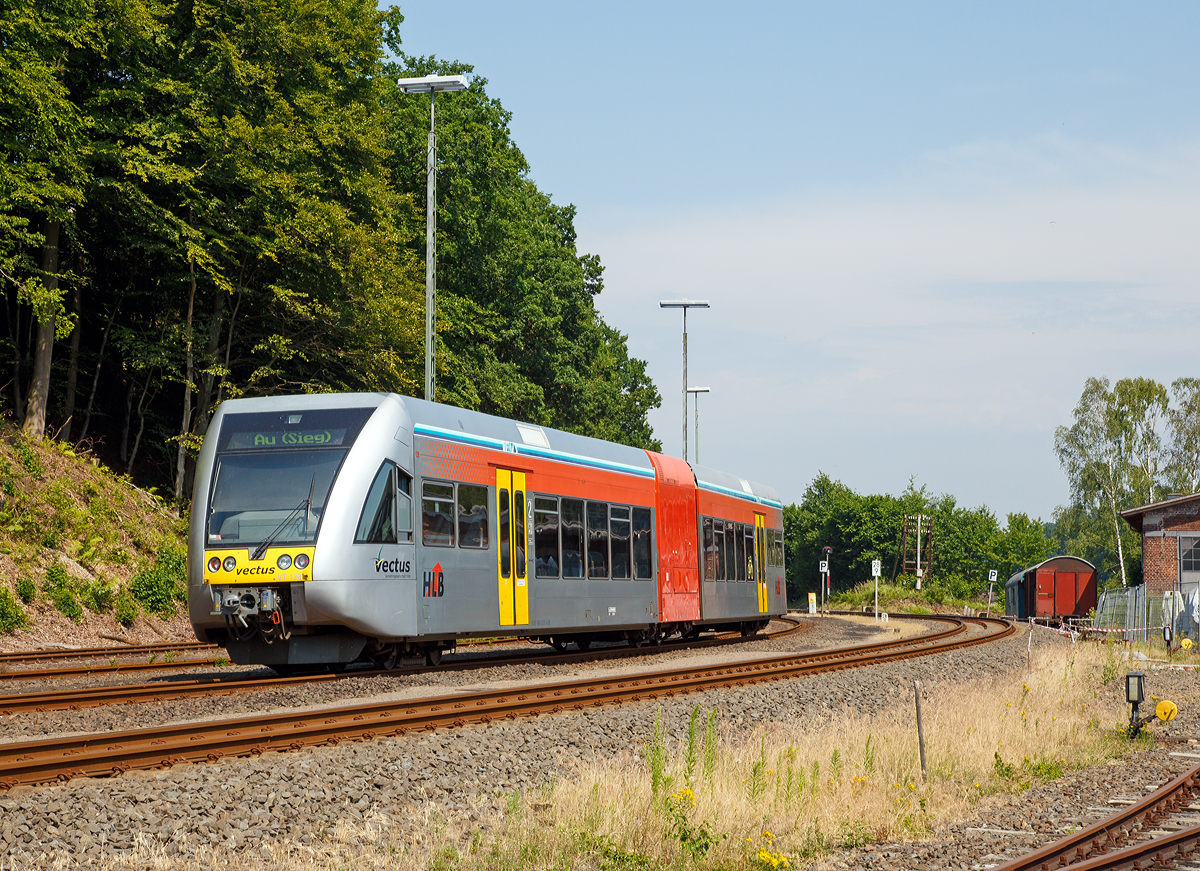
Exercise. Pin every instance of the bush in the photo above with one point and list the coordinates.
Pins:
(12, 615)
(66, 603)
(160, 586)
(29, 458)
(127, 607)
(57, 579)
(98, 596)
(27, 590)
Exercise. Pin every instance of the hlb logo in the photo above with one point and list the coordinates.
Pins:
(433, 584)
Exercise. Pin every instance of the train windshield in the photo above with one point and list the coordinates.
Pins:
(273, 474)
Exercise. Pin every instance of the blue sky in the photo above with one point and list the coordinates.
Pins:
(920, 227)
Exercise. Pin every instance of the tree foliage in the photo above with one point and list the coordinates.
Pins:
(1128, 445)
(968, 542)
(239, 190)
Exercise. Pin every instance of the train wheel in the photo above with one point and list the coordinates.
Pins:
(583, 644)
(558, 644)
(386, 660)
(283, 670)
(433, 656)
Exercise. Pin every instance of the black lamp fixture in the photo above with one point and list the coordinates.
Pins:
(1135, 688)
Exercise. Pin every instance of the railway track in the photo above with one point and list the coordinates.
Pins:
(58, 654)
(58, 759)
(160, 691)
(1160, 831)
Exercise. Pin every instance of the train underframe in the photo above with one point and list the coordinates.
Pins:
(260, 630)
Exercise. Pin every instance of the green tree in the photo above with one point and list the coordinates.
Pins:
(1094, 453)
(42, 155)
(1183, 428)
(518, 330)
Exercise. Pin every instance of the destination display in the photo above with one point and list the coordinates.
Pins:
(293, 438)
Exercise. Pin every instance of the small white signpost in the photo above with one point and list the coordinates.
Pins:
(876, 569)
(992, 574)
(823, 566)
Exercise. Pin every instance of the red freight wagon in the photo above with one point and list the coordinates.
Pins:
(1062, 586)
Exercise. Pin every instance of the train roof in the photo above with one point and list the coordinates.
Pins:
(731, 485)
(487, 430)
(433, 418)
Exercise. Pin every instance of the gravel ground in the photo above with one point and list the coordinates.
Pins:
(22, 727)
(1005, 827)
(298, 796)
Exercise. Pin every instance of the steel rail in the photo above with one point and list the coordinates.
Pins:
(96, 652)
(48, 760)
(89, 697)
(119, 668)
(1106, 844)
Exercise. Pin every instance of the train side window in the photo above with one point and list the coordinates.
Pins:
(597, 528)
(738, 551)
(404, 521)
(572, 538)
(643, 568)
(708, 549)
(437, 514)
(545, 537)
(472, 516)
(719, 538)
(778, 546)
(377, 525)
(618, 522)
(519, 538)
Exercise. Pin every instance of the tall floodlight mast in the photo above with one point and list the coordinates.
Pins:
(431, 85)
(684, 304)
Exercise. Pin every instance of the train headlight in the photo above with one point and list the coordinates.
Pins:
(230, 564)
(284, 562)
(302, 561)
(214, 564)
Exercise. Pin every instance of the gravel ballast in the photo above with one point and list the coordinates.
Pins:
(242, 804)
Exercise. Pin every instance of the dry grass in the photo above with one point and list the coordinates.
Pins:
(748, 800)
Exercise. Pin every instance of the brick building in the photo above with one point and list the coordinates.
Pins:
(1170, 542)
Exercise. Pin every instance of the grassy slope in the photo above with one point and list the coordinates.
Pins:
(906, 598)
(72, 529)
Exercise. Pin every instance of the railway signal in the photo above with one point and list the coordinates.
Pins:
(992, 574)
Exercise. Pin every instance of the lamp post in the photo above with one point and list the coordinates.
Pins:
(697, 391)
(684, 304)
(431, 85)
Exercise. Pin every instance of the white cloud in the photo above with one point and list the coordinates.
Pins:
(941, 327)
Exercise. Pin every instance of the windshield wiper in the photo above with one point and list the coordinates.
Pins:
(305, 505)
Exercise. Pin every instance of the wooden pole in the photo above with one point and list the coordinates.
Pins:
(920, 731)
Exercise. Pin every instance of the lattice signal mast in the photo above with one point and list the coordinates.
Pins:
(914, 556)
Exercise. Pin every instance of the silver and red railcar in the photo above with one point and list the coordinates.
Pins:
(327, 529)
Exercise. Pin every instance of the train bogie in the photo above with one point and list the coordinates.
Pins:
(327, 529)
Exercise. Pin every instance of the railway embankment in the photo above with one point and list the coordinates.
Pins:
(581, 787)
(86, 557)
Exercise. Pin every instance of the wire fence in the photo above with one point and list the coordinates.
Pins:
(1137, 614)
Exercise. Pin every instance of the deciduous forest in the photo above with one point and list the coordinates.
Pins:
(202, 200)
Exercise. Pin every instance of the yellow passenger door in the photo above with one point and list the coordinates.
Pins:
(512, 578)
(760, 560)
